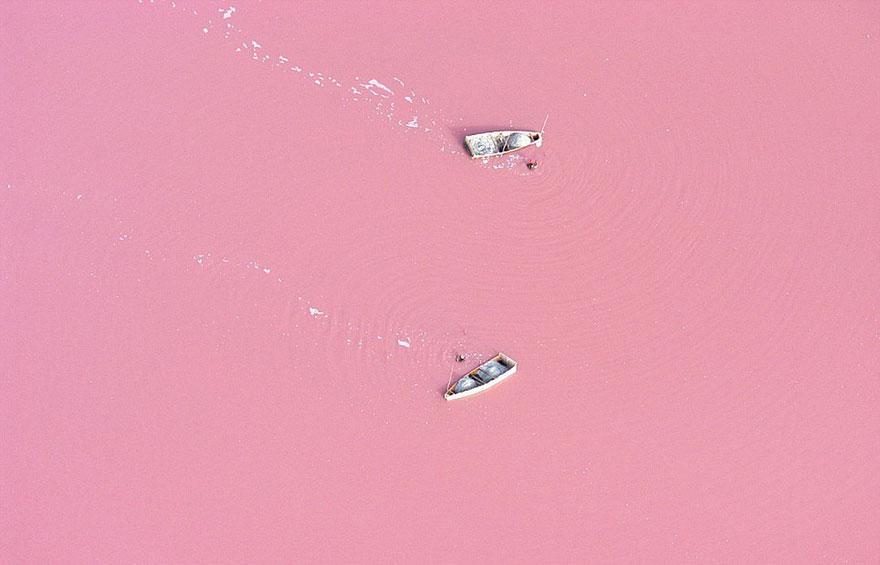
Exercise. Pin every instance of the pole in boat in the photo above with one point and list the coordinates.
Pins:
(449, 382)
(507, 139)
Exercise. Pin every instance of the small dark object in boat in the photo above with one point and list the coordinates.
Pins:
(532, 165)
(460, 357)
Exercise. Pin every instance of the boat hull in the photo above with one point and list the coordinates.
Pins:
(501, 358)
(493, 143)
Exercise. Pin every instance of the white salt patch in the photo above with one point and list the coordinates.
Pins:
(377, 84)
(507, 164)
(404, 343)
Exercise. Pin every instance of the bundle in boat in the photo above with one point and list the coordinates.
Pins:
(483, 377)
(494, 143)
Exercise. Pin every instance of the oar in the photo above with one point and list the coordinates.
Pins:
(449, 382)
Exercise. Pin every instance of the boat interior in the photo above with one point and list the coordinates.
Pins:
(489, 371)
(491, 143)
(486, 372)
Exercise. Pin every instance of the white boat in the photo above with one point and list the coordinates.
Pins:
(483, 377)
(494, 143)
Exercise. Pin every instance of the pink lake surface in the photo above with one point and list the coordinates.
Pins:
(240, 246)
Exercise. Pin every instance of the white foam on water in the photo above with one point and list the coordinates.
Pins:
(378, 89)
(377, 84)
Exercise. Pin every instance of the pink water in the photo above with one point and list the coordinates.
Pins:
(234, 274)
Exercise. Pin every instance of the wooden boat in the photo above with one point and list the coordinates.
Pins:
(494, 143)
(483, 377)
